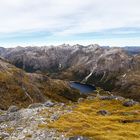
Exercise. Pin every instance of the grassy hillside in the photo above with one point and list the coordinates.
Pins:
(85, 121)
(21, 88)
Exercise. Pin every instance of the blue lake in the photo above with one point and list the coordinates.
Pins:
(83, 88)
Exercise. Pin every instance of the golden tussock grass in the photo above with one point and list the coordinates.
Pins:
(85, 121)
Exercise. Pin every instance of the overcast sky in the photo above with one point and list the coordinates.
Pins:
(40, 22)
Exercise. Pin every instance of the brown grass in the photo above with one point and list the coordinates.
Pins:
(85, 121)
(38, 86)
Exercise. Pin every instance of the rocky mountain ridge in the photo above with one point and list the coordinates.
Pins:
(111, 68)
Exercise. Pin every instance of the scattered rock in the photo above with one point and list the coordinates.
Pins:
(49, 104)
(35, 105)
(80, 100)
(90, 97)
(3, 118)
(13, 116)
(26, 121)
(107, 97)
(54, 117)
(103, 112)
(4, 135)
(13, 108)
(112, 97)
(130, 103)
(61, 104)
(20, 128)
(78, 138)
(10, 117)
(120, 98)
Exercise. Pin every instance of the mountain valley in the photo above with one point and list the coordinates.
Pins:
(111, 68)
(38, 102)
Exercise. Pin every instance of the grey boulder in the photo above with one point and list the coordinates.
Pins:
(103, 112)
(130, 103)
(49, 104)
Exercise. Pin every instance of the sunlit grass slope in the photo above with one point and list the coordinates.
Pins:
(85, 121)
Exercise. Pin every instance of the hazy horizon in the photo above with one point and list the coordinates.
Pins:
(55, 45)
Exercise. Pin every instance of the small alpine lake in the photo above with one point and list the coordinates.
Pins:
(83, 88)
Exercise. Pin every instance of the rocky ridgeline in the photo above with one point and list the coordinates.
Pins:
(31, 123)
(111, 68)
(58, 58)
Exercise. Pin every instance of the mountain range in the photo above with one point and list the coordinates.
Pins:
(111, 68)
(39, 100)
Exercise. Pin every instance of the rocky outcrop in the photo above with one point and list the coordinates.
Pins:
(32, 123)
(130, 103)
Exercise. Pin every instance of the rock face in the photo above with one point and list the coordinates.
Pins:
(112, 69)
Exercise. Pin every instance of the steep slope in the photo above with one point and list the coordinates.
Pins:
(109, 68)
(20, 88)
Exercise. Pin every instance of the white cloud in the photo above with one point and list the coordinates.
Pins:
(62, 18)
(65, 17)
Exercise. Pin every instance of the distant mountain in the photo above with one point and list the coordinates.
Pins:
(111, 68)
(132, 49)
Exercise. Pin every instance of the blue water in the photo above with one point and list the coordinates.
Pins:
(83, 88)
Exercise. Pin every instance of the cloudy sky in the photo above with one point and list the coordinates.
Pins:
(45, 22)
